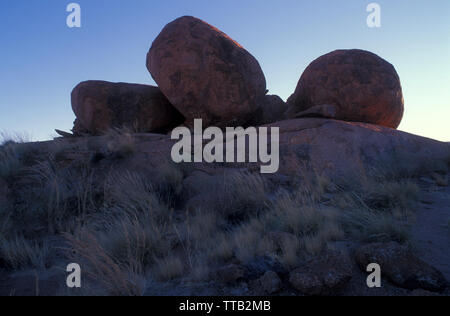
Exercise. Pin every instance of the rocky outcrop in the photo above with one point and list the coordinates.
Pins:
(401, 266)
(100, 106)
(332, 148)
(205, 74)
(359, 85)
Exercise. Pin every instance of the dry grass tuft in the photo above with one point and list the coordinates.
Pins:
(10, 163)
(168, 268)
(114, 278)
(240, 195)
(18, 253)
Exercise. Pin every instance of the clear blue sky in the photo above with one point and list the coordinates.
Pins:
(41, 59)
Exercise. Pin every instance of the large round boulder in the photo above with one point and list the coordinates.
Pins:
(100, 106)
(358, 85)
(205, 74)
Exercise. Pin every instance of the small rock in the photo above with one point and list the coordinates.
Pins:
(323, 275)
(307, 283)
(230, 274)
(420, 293)
(260, 265)
(64, 134)
(269, 283)
(401, 266)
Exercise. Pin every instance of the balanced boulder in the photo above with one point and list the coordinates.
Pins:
(205, 74)
(349, 85)
(100, 106)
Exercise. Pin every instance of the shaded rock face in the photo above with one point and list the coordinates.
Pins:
(205, 74)
(271, 108)
(400, 265)
(361, 87)
(100, 106)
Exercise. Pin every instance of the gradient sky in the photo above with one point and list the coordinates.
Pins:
(41, 59)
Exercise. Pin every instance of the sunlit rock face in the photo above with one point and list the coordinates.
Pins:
(359, 86)
(205, 74)
(100, 106)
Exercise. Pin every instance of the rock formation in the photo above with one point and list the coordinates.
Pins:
(205, 74)
(100, 106)
(359, 85)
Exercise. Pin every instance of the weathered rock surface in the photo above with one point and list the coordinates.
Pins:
(322, 276)
(401, 266)
(205, 74)
(340, 149)
(360, 85)
(100, 106)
